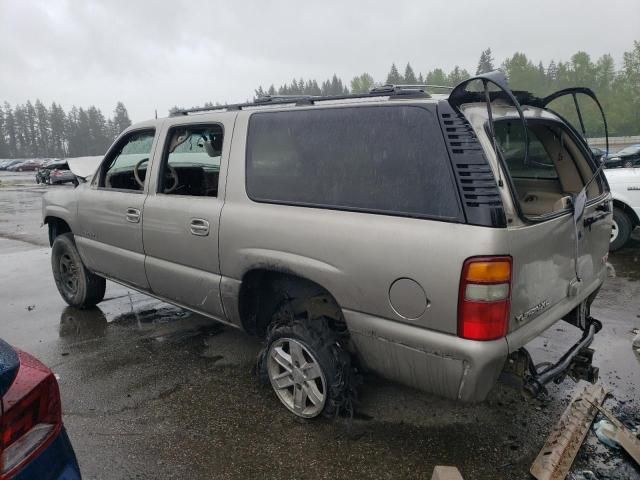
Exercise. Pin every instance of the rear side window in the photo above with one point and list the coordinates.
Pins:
(511, 141)
(389, 159)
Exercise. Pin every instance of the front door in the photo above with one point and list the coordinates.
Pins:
(181, 218)
(110, 212)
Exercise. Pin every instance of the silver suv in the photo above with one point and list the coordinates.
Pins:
(424, 237)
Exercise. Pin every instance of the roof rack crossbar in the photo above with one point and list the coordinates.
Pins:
(385, 91)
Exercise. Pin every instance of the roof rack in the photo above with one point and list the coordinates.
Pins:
(391, 91)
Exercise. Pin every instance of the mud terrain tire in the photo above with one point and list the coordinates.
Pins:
(333, 360)
(78, 286)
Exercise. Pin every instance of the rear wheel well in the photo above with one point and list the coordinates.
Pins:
(264, 291)
(57, 226)
(633, 216)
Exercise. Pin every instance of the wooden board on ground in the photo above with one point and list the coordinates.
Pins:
(555, 459)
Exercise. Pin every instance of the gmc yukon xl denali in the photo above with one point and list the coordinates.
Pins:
(424, 237)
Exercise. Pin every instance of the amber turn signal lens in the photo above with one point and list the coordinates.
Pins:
(489, 272)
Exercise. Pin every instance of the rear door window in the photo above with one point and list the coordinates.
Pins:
(511, 140)
(191, 164)
(387, 159)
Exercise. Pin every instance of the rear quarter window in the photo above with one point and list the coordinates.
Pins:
(387, 159)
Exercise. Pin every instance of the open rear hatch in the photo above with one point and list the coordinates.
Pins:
(560, 229)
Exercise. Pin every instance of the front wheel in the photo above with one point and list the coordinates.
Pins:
(307, 367)
(78, 286)
(621, 230)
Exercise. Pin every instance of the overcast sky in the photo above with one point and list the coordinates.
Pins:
(156, 54)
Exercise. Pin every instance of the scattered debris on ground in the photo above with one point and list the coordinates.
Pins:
(615, 434)
(442, 472)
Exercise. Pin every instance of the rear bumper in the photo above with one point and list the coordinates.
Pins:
(435, 362)
(440, 363)
(56, 462)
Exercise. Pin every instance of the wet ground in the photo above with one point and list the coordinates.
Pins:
(152, 391)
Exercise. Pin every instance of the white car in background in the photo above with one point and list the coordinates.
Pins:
(625, 189)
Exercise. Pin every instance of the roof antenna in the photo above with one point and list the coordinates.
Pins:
(156, 113)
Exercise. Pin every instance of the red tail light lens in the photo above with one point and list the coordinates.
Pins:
(484, 298)
(31, 415)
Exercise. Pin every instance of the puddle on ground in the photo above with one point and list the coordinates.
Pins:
(625, 263)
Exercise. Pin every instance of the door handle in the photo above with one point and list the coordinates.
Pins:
(133, 215)
(200, 227)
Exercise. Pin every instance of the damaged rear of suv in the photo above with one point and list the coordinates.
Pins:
(424, 237)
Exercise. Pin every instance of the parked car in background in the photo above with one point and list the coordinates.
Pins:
(625, 158)
(33, 441)
(598, 153)
(9, 163)
(55, 172)
(625, 189)
(418, 250)
(26, 166)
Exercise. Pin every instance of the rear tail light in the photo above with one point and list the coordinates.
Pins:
(484, 298)
(55, 173)
(31, 415)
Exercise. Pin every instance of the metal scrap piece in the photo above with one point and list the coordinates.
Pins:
(555, 459)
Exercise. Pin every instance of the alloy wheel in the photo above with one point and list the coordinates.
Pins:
(296, 377)
(68, 274)
(614, 231)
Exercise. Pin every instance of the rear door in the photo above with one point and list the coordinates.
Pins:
(182, 215)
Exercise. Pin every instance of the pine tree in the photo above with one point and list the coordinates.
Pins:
(99, 139)
(58, 138)
(10, 131)
(315, 89)
(336, 87)
(394, 77)
(605, 74)
(43, 128)
(409, 76)
(121, 120)
(4, 149)
(32, 131)
(76, 136)
(485, 64)
(541, 81)
(23, 148)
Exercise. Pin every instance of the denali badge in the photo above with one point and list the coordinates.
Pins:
(633, 188)
(534, 310)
